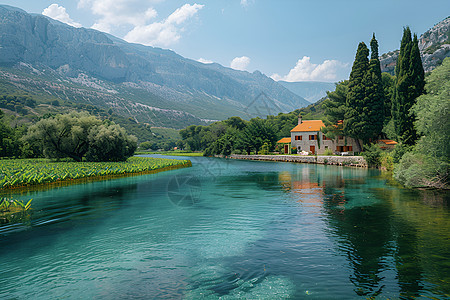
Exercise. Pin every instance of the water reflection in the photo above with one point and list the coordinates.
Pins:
(376, 237)
(256, 230)
(385, 233)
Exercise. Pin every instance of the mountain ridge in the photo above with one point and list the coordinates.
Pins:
(162, 78)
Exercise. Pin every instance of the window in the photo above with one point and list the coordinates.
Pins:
(326, 147)
(350, 148)
(312, 137)
(298, 137)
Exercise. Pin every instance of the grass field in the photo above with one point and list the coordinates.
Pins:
(27, 172)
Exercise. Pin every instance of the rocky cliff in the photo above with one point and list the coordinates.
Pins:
(434, 46)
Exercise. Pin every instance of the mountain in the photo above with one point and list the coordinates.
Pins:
(310, 90)
(152, 85)
(434, 46)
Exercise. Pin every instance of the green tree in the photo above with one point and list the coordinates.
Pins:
(374, 101)
(428, 163)
(74, 135)
(335, 104)
(257, 133)
(335, 108)
(408, 86)
(110, 142)
(388, 82)
(8, 142)
(354, 122)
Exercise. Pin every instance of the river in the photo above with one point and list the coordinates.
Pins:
(230, 229)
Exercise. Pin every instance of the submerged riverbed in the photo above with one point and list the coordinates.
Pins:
(230, 229)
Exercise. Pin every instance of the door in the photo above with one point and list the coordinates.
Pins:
(286, 149)
(312, 149)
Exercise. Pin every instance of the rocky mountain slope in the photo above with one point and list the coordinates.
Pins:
(434, 46)
(310, 90)
(149, 84)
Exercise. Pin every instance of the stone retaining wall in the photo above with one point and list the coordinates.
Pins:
(354, 161)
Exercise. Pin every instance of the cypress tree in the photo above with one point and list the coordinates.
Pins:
(418, 74)
(355, 115)
(409, 85)
(374, 101)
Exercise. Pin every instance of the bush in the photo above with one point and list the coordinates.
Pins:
(328, 152)
(294, 150)
(264, 149)
(372, 153)
(420, 170)
(387, 162)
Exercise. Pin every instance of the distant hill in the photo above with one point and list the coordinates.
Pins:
(434, 46)
(42, 56)
(310, 90)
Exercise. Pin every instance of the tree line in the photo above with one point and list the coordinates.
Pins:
(370, 105)
(78, 136)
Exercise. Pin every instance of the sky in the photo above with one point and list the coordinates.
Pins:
(292, 40)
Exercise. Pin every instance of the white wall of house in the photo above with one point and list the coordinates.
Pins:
(343, 144)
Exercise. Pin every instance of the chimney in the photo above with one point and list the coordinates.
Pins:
(299, 119)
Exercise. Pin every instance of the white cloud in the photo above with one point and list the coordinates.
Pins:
(114, 14)
(246, 3)
(166, 32)
(59, 13)
(304, 70)
(240, 63)
(205, 61)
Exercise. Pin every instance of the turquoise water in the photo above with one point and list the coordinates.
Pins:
(230, 229)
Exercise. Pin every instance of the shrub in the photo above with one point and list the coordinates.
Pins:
(328, 152)
(372, 153)
(420, 170)
(294, 150)
(387, 162)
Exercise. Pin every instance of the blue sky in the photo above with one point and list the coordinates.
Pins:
(294, 40)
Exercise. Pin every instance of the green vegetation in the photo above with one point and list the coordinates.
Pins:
(239, 136)
(26, 172)
(13, 206)
(80, 135)
(364, 106)
(426, 164)
(12, 211)
(170, 153)
(409, 84)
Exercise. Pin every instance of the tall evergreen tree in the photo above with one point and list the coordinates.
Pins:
(408, 86)
(354, 122)
(374, 94)
(418, 74)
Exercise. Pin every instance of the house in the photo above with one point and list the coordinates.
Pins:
(306, 136)
(286, 142)
(386, 144)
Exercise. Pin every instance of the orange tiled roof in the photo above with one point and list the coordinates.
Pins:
(309, 125)
(284, 141)
(388, 142)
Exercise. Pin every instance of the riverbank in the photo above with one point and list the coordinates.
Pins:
(170, 153)
(23, 173)
(352, 161)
